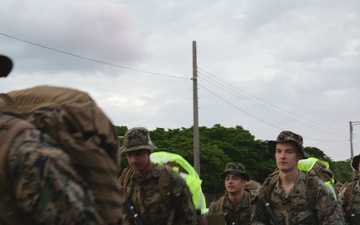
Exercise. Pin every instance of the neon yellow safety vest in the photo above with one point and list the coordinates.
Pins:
(191, 177)
(306, 165)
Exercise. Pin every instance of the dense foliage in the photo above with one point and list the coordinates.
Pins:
(220, 145)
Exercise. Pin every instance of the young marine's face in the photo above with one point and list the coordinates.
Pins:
(287, 156)
(234, 183)
(139, 161)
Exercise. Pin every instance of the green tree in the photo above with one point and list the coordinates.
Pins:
(317, 153)
(342, 170)
(220, 145)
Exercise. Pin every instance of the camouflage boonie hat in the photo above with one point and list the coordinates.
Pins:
(285, 136)
(137, 138)
(235, 168)
(355, 162)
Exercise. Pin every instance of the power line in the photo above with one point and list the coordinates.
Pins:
(90, 59)
(270, 110)
(207, 89)
(238, 107)
(261, 120)
(275, 110)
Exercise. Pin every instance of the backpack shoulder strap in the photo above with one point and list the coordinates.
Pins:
(349, 191)
(268, 185)
(164, 184)
(125, 183)
(220, 204)
(165, 190)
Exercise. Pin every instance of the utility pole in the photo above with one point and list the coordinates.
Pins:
(352, 123)
(196, 113)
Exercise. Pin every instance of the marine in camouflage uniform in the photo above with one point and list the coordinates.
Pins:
(349, 197)
(236, 203)
(143, 190)
(289, 202)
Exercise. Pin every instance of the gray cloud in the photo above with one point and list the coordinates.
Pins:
(265, 66)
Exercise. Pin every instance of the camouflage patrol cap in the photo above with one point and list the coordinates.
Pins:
(355, 162)
(5, 65)
(286, 136)
(137, 138)
(236, 169)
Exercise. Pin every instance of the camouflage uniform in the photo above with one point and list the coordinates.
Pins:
(327, 210)
(294, 207)
(239, 214)
(150, 206)
(349, 197)
(144, 191)
(40, 173)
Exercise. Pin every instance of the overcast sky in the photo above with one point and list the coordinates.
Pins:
(264, 65)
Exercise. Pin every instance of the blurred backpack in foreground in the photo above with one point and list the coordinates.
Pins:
(59, 159)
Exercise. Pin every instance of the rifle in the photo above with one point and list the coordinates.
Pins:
(133, 214)
(269, 211)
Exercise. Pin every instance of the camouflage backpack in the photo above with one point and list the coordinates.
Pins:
(82, 130)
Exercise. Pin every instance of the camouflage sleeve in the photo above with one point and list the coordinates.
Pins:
(185, 213)
(45, 185)
(328, 210)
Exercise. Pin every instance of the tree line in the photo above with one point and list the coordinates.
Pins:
(220, 145)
